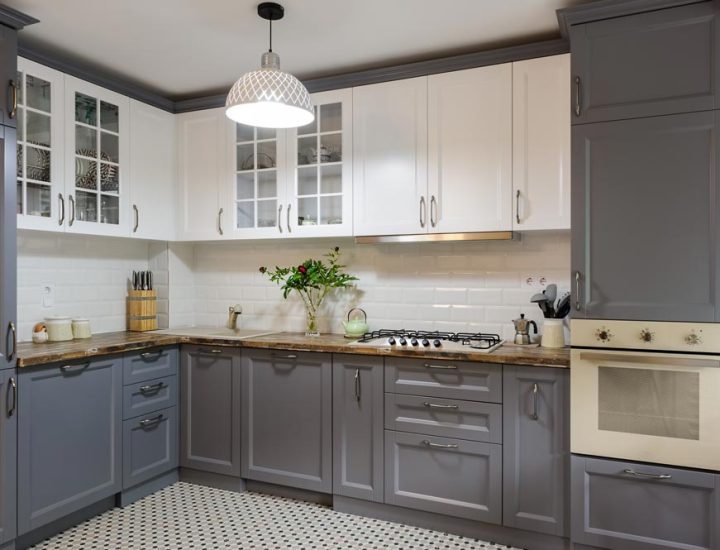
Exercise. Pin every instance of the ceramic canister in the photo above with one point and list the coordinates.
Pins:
(59, 329)
(81, 328)
(553, 334)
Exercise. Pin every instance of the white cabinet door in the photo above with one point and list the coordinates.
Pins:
(203, 175)
(153, 172)
(97, 155)
(470, 150)
(541, 143)
(40, 190)
(320, 169)
(390, 158)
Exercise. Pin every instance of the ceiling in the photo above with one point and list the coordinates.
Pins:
(190, 48)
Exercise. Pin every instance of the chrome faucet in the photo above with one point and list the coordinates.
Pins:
(233, 312)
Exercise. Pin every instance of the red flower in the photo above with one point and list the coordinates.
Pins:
(263, 269)
(302, 269)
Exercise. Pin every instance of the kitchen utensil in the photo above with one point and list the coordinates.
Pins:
(355, 328)
(81, 328)
(135, 280)
(542, 301)
(563, 306)
(143, 282)
(522, 330)
(149, 280)
(553, 334)
(551, 293)
(59, 329)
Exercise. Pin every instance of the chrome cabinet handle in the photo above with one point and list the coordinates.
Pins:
(61, 202)
(11, 336)
(644, 475)
(578, 276)
(213, 351)
(288, 356)
(534, 415)
(137, 218)
(433, 211)
(440, 406)
(444, 367)
(152, 389)
(288, 218)
(517, 206)
(280, 218)
(423, 211)
(357, 385)
(151, 421)
(220, 213)
(72, 210)
(83, 366)
(577, 96)
(13, 99)
(440, 445)
(12, 390)
(154, 356)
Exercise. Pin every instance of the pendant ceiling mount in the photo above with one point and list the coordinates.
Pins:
(269, 97)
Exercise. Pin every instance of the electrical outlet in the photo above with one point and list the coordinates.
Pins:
(534, 281)
(48, 295)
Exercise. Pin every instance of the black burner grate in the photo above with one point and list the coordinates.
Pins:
(478, 340)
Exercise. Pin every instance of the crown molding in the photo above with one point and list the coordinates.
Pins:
(15, 19)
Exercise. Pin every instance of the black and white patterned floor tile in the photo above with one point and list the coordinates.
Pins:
(186, 516)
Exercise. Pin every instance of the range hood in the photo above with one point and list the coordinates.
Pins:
(439, 237)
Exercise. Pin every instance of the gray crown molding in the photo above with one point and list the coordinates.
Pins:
(407, 70)
(606, 9)
(15, 19)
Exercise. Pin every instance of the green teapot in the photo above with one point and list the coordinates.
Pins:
(357, 327)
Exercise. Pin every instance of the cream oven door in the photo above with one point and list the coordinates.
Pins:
(651, 407)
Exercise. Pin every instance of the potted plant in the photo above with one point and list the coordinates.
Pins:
(313, 280)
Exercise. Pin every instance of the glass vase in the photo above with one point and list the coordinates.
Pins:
(312, 326)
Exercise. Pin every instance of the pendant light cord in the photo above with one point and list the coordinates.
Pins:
(270, 35)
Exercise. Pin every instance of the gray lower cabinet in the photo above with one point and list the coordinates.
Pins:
(645, 197)
(447, 476)
(210, 409)
(150, 446)
(149, 364)
(287, 418)
(648, 64)
(69, 438)
(8, 455)
(536, 455)
(146, 397)
(8, 217)
(628, 506)
(358, 426)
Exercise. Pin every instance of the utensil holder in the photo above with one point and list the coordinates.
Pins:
(553, 334)
(142, 310)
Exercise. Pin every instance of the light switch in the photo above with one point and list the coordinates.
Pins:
(48, 296)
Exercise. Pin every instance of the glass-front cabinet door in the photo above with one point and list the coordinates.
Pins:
(258, 186)
(96, 159)
(41, 200)
(320, 169)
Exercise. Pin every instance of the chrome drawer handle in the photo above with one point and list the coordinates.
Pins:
(439, 406)
(357, 385)
(534, 415)
(443, 367)
(151, 389)
(289, 356)
(215, 351)
(83, 366)
(12, 388)
(151, 422)
(440, 445)
(644, 475)
(154, 356)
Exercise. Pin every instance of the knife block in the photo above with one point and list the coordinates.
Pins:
(142, 310)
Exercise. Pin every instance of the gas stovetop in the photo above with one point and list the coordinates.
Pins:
(469, 342)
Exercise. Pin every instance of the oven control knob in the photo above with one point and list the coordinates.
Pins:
(414, 341)
(693, 339)
(603, 334)
(425, 342)
(403, 342)
(646, 335)
(437, 343)
(391, 341)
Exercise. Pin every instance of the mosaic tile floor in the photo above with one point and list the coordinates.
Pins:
(186, 516)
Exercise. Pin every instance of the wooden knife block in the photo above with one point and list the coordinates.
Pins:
(142, 310)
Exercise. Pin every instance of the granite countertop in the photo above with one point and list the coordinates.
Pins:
(30, 354)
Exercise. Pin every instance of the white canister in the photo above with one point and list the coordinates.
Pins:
(81, 329)
(553, 334)
(59, 329)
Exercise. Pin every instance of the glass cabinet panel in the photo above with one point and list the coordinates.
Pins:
(256, 185)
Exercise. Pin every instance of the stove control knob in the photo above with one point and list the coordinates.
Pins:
(414, 341)
(391, 341)
(603, 334)
(425, 342)
(646, 335)
(403, 342)
(693, 339)
(437, 343)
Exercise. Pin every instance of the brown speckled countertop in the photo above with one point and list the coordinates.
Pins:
(30, 354)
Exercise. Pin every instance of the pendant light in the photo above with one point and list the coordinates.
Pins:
(269, 97)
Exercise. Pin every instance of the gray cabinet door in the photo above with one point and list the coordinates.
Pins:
(146, 397)
(649, 64)
(69, 438)
(358, 426)
(286, 420)
(8, 74)
(536, 456)
(626, 506)
(8, 241)
(8, 455)
(150, 446)
(149, 364)
(210, 409)
(645, 224)
(446, 476)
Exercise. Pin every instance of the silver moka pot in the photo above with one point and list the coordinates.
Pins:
(522, 330)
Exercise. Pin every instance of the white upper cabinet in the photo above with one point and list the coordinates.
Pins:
(319, 200)
(96, 159)
(470, 150)
(390, 158)
(541, 143)
(153, 172)
(40, 191)
(204, 172)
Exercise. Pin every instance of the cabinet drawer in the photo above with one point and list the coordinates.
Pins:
(623, 506)
(446, 476)
(150, 446)
(149, 364)
(448, 379)
(444, 417)
(149, 396)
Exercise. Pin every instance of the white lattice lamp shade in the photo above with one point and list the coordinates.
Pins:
(269, 98)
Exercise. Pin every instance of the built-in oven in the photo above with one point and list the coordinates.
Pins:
(647, 392)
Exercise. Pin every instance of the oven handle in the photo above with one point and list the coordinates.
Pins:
(649, 360)
(643, 475)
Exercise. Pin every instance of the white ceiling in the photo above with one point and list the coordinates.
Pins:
(185, 48)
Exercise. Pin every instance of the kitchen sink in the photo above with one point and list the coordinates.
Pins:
(215, 332)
